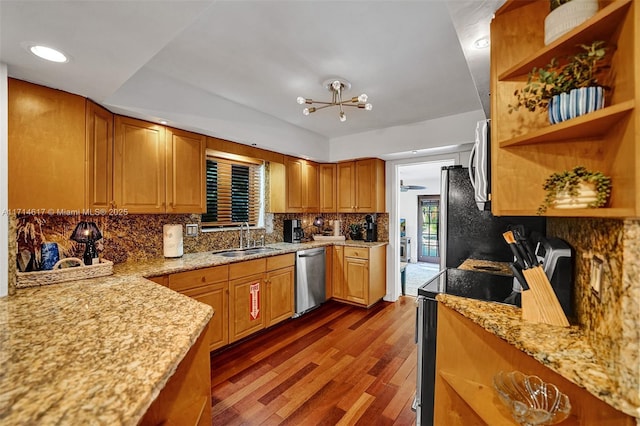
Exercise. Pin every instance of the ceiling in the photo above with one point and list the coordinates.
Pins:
(233, 69)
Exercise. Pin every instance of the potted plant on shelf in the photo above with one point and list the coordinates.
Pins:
(565, 15)
(578, 188)
(566, 89)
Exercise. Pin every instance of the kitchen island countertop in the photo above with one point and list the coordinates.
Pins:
(100, 350)
(564, 350)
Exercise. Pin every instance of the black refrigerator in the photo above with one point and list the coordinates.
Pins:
(465, 231)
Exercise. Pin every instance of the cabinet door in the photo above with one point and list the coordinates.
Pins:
(327, 188)
(139, 166)
(217, 296)
(294, 184)
(310, 187)
(337, 272)
(346, 187)
(46, 148)
(356, 280)
(245, 306)
(186, 192)
(279, 303)
(99, 135)
(369, 175)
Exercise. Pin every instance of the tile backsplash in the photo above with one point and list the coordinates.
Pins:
(611, 320)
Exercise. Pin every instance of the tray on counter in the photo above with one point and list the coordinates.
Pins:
(39, 278)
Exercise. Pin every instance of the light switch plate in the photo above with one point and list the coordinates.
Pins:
(597, 264)
(192, 230)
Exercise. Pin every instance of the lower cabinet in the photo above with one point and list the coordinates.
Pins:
(359, 274)
(210, 286)
(467, 358)
(279, 295)
(246, 315)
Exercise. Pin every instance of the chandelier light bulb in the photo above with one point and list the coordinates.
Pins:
(368, 107)
(343, 116)
(363, 98)
(301, 100)
(305, 111)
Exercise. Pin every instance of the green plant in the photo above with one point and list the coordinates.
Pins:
(355, 229)
(583, 69)
(569, 181)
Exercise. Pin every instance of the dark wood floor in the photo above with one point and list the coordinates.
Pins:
(336, 365)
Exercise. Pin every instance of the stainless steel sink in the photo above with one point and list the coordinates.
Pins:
(246, 252)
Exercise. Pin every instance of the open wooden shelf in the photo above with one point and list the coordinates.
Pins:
(589, 126)
(602, 26)
(599, 212)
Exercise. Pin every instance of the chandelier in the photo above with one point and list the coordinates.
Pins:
(336, 86)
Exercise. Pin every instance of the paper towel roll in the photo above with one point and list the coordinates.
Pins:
(172, 236)
(337, 228)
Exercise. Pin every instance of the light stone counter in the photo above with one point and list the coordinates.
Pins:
(99, 351)
(92, 352)
(564, 350)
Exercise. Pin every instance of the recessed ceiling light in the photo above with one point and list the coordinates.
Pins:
(481, 43)
(163, 121)
(48, 53)
(414, 152)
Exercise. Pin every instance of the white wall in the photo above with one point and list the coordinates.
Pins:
(446, 131)
(4, 186)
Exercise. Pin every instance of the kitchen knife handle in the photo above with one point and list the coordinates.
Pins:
(509, 238)
(517, 273)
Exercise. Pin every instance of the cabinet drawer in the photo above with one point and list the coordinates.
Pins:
(282, 261)
(248, 267)
(199, 277)
(358, 252)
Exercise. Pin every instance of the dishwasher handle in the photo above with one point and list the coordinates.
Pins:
(312, 254)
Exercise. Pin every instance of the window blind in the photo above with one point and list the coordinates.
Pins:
(233, 192)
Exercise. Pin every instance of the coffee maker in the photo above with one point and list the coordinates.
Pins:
(371, 228)
(293, 231)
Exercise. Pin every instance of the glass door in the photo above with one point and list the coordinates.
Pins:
(428, 213)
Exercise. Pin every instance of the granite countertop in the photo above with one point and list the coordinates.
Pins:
(564, 350)
(96, 351)
(99, 351)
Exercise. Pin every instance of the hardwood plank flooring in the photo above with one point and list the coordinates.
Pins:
(337, 365)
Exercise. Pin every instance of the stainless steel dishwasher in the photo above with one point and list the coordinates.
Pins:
(310, 276)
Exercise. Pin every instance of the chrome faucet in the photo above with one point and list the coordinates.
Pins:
(241, 235)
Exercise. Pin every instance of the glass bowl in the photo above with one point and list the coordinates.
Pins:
(531, 401)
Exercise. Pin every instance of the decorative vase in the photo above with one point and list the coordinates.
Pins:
(587, 195)
(577, 102)
(566, 17)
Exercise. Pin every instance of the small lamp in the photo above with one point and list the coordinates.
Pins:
(87, 233)
(319, 222)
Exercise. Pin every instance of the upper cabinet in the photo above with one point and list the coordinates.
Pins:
(186, 192)
(526, 149)
(328, 188)
(139, 166)
(46, 153)
(361, 186)
(157, 169)
(99, 135)
(301, 185)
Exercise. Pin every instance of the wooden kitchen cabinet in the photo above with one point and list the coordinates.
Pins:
(246, 296)
(337, 271)
(526, 149)
(279, 294)
(186, 191)
(99, 139)
(328, 188)
(139, 166)
(46, 149)
(301, 185)
(361, 186)
(364, 275)
(467, 358)
(209, 286)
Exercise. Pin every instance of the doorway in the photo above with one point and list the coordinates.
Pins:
(428, 226)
